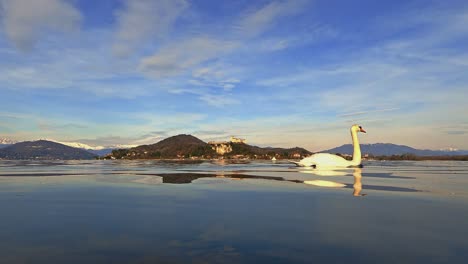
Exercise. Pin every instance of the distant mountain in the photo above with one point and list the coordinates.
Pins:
(185, 146)
(100, 152)
(44, 150)
(387, 149)
(96, 150)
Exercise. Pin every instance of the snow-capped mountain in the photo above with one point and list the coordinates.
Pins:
(449, 149)
(124, 146)
(98, 150)
(89, 147)
(7, 141)
(80, 145)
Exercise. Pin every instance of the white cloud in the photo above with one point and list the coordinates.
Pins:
(298, 38)
(371, 80)
(117, 90)
(89, 68)
(25, 21)
(219, 100)
(435, 25)
(368, 112)
(12, 115)
(174, 59)
(48, 126)
(258, 21)
(228, 86)
(216, 76)
(144, 20)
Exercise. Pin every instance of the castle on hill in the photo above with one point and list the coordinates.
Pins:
(222, 147)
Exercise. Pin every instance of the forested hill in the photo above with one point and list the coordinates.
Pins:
(180, 146)
(188, 146)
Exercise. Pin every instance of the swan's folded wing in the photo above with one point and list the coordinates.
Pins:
(302, 164)
(295, 162)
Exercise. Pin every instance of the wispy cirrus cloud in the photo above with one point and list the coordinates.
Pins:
(176, 58)
(216, 76)
(219, 100)
(47, 126)
(432, 25)
(26, 22)
(11, 115)
(141, 21)
(368, 112)
(459, 129)
(255, 22)
(315, 33)
(457, 132)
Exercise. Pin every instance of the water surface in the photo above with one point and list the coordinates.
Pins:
(221, 212)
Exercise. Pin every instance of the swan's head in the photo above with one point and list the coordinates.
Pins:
(357, 128)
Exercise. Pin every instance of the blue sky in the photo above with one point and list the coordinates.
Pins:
(278, 73)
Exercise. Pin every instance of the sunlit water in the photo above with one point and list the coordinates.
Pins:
(220, 212)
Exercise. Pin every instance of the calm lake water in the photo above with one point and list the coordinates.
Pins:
(215, 212)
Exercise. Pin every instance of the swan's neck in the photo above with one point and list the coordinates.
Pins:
(357, 148)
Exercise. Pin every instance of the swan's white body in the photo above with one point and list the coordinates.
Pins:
(326, 160)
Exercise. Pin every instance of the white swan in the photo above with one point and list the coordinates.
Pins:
(326, 160)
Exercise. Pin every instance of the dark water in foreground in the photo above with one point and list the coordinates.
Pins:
(212, 212)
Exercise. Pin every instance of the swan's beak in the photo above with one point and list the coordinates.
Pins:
(362, 130)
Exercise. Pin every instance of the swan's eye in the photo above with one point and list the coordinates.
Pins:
(360, 127)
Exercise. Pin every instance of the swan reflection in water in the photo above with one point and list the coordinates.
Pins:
(189, 177)
(357, 186)
(357, 174)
